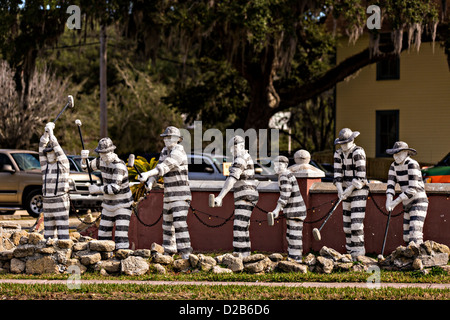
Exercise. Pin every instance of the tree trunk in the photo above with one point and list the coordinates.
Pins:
(263, 97)
(103, 105)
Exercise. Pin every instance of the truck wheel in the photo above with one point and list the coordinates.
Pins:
(33, 203)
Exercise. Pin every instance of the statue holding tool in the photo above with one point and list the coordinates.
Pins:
(173, 166)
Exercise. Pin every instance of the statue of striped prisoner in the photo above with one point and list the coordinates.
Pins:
(351, 183)
(55, 173)
(245, 194)
(173, 166)
(117, 197)
(293, 206)
(406, 172)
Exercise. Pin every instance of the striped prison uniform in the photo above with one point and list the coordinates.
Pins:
(245, 198)
(414, 198)
(350, 169)
(55, 188)
(117, 200)
(294, 209)
(173, 166)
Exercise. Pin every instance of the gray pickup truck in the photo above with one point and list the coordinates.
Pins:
(21, 184)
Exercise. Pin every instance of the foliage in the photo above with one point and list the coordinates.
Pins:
(142, 165)
(228, 63)
(138, 190)
(136, 110)
(20, 125)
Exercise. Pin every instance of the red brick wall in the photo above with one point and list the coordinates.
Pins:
(272, 239)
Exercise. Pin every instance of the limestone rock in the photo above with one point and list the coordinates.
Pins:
(206, 263)
(258, 266)
(193, 259)
(412, 250)
(162, 258)
(123, 253)
(442, 248)
(157, 248)
(17, 235)
(24, 250)
(345, 266)
(62, 255)
(46, 250)
(134, 266)
(275, 257)
(80, 246)
(75, 262)
(403, 263)
(368, 261)
(102, 245)
(65, 244)
(345, 258)
(75, 236)
(181, 264)
(88, 257)
(144, 253)
(330, 253)
(417, 264)
(218, 269)
(437, 259)
(360, 268)
(6, 255)
(159, 268)
(17, 266)
(35, 237)
(291, 266)
(111, 266)
(324, 265)
(253, 258)
(233, 263)
(310, 259)
(41, 264)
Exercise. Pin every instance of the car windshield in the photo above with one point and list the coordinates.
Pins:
(27, 161)
(219, 160)
(77, 161)
(445, 161)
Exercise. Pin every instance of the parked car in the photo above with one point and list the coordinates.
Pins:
(210, 167)
(75, 165)
(439, 173)
(21, 184)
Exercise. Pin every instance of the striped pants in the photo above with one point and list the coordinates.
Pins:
(121, 218)
(354, 212)
(56, 216)
(241, 235)
(175, 229)
(294, 236)
(413, 220)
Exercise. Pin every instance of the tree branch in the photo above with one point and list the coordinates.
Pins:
(349, 66)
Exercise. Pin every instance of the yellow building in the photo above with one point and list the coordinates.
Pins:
(407, 100)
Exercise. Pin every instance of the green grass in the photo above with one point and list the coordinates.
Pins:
(436, 275)
(214, 292)
(228, 292)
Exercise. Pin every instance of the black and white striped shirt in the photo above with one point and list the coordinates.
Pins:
(243, 171)
(54, 175)
(351, 168)
(116, 189)
(173, 166)
(409, 178)
(290, 199)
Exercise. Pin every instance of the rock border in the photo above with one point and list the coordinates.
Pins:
(29, 253)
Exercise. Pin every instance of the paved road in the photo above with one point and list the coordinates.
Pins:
(26, 221)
